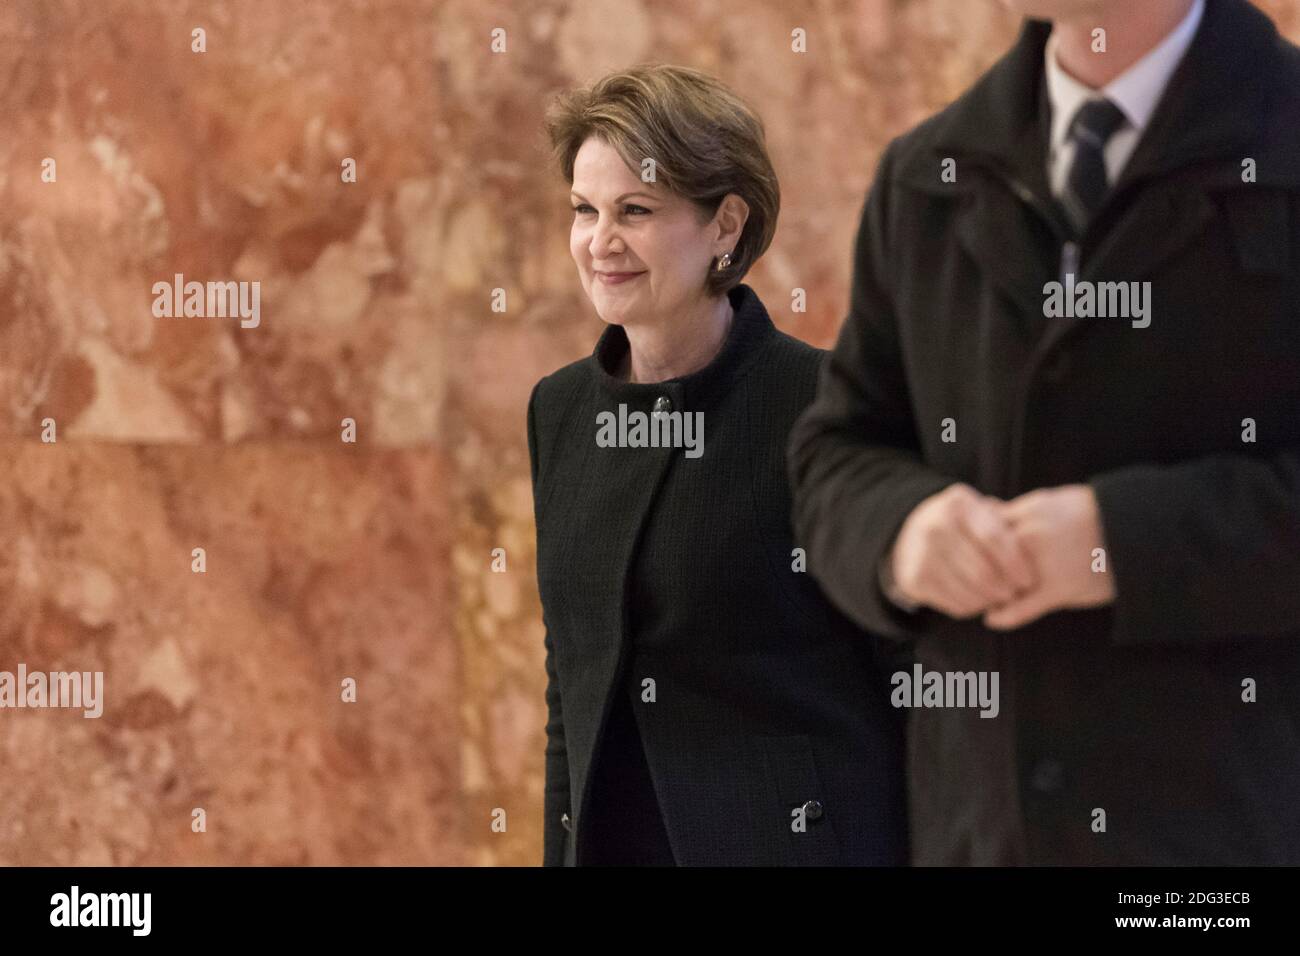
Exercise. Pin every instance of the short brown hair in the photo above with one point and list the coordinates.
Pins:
(706, 142)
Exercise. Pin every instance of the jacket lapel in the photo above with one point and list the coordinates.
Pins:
(1013, 250)
(998, 135)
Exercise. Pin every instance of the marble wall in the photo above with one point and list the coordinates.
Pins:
(328, 560)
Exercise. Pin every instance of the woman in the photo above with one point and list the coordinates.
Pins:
(706, 705)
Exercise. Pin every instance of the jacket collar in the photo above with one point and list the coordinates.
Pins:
(1215, 107)
(750, 330)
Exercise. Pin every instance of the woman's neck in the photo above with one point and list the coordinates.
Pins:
(661, 351)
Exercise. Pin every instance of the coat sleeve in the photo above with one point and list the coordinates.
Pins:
(1203, 550)
(555, 800)
(856, 469)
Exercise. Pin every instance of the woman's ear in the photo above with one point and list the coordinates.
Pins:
(731, 216)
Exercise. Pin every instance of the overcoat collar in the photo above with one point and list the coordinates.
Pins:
(750, 330)
(1216, 107)
(1227, 102)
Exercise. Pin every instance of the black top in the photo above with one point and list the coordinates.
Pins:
(623, 825)
(769, 705)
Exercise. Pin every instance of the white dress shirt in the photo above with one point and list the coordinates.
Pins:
(1136, 92)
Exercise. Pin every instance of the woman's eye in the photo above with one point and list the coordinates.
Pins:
(583, 208)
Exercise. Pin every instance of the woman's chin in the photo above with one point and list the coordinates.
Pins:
(612, 309)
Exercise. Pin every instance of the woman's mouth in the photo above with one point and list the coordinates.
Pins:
(615, 278)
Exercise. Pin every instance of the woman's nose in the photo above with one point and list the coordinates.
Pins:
(604, 240)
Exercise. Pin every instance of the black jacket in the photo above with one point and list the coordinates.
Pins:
(1136, 708)
(767, 698)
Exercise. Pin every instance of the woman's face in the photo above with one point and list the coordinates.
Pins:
(623, 225)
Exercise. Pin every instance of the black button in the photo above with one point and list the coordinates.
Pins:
(812, 810)
(1048, 775)
(1058, 368)
(564, 820)
(663, 405)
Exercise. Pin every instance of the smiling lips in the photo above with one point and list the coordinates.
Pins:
(614, 278)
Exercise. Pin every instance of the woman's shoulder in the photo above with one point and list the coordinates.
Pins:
(548, 407)
(797, 350)
(553, 393)
(792, 363)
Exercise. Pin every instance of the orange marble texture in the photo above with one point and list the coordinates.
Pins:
(329, 559)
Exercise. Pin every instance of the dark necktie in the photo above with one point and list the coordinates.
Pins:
(1086, 185)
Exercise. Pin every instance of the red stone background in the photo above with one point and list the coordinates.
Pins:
(329, 560)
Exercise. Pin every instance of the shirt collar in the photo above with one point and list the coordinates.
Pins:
(1136, 91)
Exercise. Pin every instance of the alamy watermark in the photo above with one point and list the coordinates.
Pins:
(1099, 300)
(75, 908)
(922, 688)
(74, 689)
(210, 300)
(660, 429)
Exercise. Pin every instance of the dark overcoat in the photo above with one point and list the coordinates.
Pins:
(1175, 710)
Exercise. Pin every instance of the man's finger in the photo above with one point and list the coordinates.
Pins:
(951, 593)
(966, 562)
(986, 526)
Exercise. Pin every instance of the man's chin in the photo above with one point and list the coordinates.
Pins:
(1049, 9)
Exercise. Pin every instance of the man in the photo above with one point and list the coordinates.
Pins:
(1093, 494)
